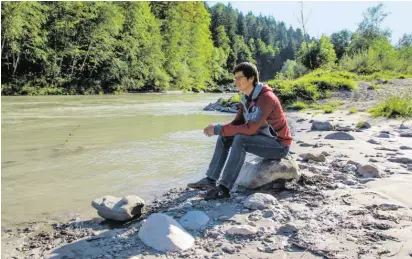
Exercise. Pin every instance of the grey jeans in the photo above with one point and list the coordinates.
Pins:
(259, 145)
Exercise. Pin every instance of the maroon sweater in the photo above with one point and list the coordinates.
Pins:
(259, 114)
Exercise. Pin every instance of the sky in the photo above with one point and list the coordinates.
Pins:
(327, 17)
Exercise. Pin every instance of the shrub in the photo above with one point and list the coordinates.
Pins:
(393, 107)
(291, 70)
(235, 98)
(352, 110)
(360, 124)
(313, 86)
(328, 109)
(298, 105)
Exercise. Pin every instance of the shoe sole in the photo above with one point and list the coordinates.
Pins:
(202, 187)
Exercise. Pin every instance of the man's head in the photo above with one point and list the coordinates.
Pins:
(246, 77)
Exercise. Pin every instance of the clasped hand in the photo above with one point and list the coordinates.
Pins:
(209, 130)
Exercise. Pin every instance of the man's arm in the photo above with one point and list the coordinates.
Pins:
(264, 107)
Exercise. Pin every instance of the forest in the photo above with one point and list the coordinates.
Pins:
(58, 48)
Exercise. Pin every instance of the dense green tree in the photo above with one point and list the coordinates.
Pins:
(318, 54)
(23, 39)
(93, 47)
(369, 29)
(405, 40)
(341, 41)
(140, 58)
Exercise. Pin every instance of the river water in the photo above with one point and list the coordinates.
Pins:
(58, 153)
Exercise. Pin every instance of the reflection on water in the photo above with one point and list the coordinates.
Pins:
(59, 153)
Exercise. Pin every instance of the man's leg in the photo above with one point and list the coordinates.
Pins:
(223, 145)
(259, 145)
(216, 164)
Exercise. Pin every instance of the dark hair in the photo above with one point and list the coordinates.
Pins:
(248, 70)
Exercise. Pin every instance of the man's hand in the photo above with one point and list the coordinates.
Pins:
(209, 130)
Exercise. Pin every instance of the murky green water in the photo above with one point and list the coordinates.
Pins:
(59, 153)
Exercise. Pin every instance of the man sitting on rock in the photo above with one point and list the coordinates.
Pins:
(260, 128)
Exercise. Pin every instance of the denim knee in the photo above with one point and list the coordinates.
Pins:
(239, 139)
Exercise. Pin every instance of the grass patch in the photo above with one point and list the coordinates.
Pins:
(316, 85)
(353, 110)
(235, 98)
(360, 124)
(393, 107)
(298, 105)
(374, 87)
(329, 107)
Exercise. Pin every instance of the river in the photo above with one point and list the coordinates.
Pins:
(61, 152)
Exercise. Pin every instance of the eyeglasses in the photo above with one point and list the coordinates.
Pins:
(237, 78)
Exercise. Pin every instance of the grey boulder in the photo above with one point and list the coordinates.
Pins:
(406, 134)
(259, 172)
(322, 126)
(119, 209)
(369, 171)
(259, 201)
(340, 136)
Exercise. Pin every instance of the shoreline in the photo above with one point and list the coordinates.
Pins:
(323, 188)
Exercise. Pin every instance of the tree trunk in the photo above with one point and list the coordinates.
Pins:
(87, 55)
(2, 44)
(15, 65)
(73, 64)
(303, 22)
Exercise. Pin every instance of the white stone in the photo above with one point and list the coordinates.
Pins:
(349, 168)
(194, 220)
(120, 209)
(164, 234)
(243, 230)
(259, 172)
(259, 201)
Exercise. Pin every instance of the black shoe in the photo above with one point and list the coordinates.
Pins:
(205, 183)
(219, 192)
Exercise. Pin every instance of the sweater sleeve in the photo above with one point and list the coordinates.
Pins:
(263, 108)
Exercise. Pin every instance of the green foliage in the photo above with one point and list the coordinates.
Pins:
(381, 57)
(353, 110)
(104, 47)
(341, 41)
(319, 54)
(298, 105)
(394, 107)
(313, 86)
(292, 70)
(235, 98)
(405, 40)
(328, 107)
(360, 124)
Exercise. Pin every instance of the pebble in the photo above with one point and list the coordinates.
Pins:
(372, 141)
(223, 218)
(268, 213)
(351, 239)
(228, 248)
(187, 204)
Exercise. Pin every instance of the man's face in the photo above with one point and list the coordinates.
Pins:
(242, 83)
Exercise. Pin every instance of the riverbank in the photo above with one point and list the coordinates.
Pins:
(330, 212)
